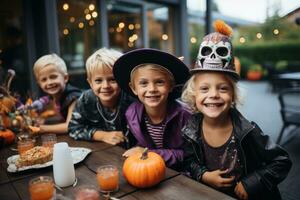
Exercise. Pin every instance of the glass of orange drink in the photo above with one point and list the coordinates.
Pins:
(108, 178)
(87, 192)
(41, 188)
(24, 145)
(48, 140)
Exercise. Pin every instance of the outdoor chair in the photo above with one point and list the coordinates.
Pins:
(290, 110)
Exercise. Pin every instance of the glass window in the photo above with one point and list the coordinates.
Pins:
(77, 22)
(12, 45)
(160, 29)
(124, 26)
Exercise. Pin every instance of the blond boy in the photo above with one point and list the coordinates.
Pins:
(99, 112)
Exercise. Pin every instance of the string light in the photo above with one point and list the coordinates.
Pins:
(135, 36)
(130, 44)
(130, 26)
(86, 11)
(65, 31)
(91, 7)
(258, 35)
(91, 23)
(193, 40)
(242, 40)
(118, 29)
(121, 25)
(72, 19)
(66, 6)
(137, 26)
(80, 25)
(94, 14)
(88, 17)
(165, 37)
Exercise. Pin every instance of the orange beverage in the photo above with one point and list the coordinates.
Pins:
(41, 188)
(24, 145)
(49, 140)
(108, 178)
(87, 192)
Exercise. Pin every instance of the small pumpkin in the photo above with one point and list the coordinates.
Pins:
(7, 135)
(144, 170)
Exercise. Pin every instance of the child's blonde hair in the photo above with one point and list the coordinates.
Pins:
(101, 58)
(188, 94)
(153, 67)
(50, 59)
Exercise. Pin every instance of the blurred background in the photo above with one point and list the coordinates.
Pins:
(266, 33)
(266, 42)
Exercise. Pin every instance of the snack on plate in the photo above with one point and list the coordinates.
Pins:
(36, 155)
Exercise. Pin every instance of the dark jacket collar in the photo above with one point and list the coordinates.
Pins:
(240, 124)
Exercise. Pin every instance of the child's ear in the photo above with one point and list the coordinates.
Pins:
(89, 81)
(132, 88)
(66, 78)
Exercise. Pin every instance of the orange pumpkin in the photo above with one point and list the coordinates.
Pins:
(144, 170)
(8, 135)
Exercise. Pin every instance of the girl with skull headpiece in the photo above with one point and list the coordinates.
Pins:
(224, 149)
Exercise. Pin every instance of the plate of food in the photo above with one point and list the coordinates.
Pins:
(40, 157)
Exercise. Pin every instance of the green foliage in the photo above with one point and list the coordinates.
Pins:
(246, 63)
(281, 65)
(256, 68)
(288, 31)
(271, 51)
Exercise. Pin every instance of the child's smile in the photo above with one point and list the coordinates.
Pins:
(214, 94)
(51, 80)
(105, 86)
(152, 87)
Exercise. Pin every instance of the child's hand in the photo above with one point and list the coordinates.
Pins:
(113, 137)
(240, 191)
(132, 151)
(34, 129)
(215, 178)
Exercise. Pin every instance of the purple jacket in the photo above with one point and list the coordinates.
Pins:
(172, 151)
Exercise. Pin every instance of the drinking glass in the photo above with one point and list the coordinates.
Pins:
(87, 192)
(41, 188)
(108, 178)
(48, 140)
(24, 145)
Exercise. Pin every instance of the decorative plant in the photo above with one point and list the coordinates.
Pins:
(255, 72)
(144, 170)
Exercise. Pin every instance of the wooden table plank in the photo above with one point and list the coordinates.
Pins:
(113, 156)
(3, 175)
(95, 146)
(8, 192)
(83, 174)
(7, 152)
(179, 187)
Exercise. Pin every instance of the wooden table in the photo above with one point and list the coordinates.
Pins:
(174, 186)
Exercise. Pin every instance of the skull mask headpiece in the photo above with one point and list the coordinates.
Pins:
(215, 52)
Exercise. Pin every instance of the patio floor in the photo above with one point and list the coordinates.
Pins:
(262, 107)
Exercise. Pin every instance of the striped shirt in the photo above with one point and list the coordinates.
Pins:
(156, 132)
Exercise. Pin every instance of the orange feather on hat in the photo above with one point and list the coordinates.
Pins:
(221, 27)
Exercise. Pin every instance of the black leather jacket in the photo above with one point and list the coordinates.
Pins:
(265, 163)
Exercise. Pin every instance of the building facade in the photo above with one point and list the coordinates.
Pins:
(74, 29)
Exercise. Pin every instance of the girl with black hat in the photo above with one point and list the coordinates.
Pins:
(155, 121)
